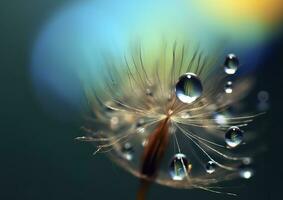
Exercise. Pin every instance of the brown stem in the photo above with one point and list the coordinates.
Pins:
(152, 156)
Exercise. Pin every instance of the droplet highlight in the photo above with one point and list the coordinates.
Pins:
(246, 172)
(179, 167)
(234, 136)
(231, 64)
(188, 88)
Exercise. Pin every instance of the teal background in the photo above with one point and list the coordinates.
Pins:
(39, 157)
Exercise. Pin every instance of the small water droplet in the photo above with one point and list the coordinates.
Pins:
(148, 92)
(231, 64)
(140, 122)
(234, 136)
(179, 167)
(228, 87)
(221, 118)
(246, 171)
(188, 88)
(210, 167)
(128, 150)
(247, 160)
(114, 122)
(140, 130)
(263, 96)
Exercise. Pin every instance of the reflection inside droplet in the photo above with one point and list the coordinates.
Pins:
(179, 167)
(188, 88)
(234, 136)
(210, 167)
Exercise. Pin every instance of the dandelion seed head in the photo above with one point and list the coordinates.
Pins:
(147, 128)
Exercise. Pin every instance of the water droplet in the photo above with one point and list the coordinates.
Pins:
(228, 87)
(128, 150)
(140, 130)
(263, 96)
(246, 172)
(221, 118)
(140, 122)
(148, 92)
(247, 160)
(114, 123)
(231, 64)
(210, 167)
(179, 167)
(234, 136)
(188, 88)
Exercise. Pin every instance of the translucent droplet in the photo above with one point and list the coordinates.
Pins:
(114, 123)
(246, 172)
(263, 96)
(221, 118)
(148, 92)
(228, 87)
(231, 64)
(128, 150)
(140, 130)
(188, 88)
(234, 136)
(140, 122)
(179, 167)
(210, 167)
(247, 161)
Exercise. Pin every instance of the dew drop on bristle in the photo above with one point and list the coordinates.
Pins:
(228, 88)
(127, 150)
(246, 172)
(210, 167)
(188, 88)
(234, 136)
(231, 64)
(179, 167)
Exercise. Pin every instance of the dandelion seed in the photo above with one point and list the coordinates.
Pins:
(158, 115)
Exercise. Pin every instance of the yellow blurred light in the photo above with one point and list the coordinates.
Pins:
(267, 11)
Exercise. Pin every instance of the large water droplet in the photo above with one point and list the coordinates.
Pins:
(231, 64)
(234, 136)
(246, 172)
(210, 167)
(228, 87)
(188, 88)
(128, 150)
(179, 167)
